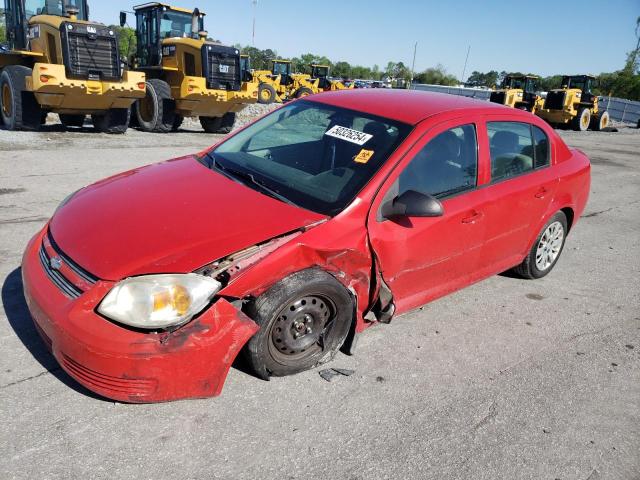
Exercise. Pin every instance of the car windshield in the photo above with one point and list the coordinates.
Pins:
(177, 24)
(53, 7)
(312, 155)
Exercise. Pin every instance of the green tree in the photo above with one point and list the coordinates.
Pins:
(3, 27)
(127, 42)
(436, 76)
(341, 69)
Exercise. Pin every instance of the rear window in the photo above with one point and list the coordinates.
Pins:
(516, 148)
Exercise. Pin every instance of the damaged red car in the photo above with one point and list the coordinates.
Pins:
(290, 237)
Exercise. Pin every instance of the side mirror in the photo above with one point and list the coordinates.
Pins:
(123, 19)
(412, 204)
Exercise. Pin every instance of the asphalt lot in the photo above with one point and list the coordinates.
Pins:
(507, 379)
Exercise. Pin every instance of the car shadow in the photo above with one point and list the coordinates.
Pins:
(17, 312)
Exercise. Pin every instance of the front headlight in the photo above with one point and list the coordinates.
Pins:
(158, 301)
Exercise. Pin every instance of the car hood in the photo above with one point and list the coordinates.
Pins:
(171, 217)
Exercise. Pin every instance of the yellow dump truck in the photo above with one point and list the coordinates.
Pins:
(60, 62)
(187, 74)
(574, 104)
(519, 91)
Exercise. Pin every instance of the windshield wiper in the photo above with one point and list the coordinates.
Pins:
(234, 174)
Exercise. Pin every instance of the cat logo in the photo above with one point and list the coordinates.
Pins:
(224, 69)
(92, 29)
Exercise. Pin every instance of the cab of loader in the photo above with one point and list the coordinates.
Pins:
(583, 83)
(321, 73)
(245, 68)
(19, 13)
(282, 68)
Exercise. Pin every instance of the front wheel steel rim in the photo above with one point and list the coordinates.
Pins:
(6, 101)
(146, 108)
(549, 246)
(300, 328)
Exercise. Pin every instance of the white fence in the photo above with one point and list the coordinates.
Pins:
(619, 109)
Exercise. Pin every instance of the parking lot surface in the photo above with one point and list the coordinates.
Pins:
(508, 379)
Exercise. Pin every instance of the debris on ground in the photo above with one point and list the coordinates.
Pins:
(330, 374)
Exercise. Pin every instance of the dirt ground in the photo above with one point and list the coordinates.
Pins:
(506, 379)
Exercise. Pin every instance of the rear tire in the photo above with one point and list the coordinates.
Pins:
(601, 121)
(304, 319)
(177, 123)
(221, 125)
(546, 250)
(114, 121)
(303, 92)
(72, 120)
(19, 109)
(156, 111)
(266, 94)
(582, 120)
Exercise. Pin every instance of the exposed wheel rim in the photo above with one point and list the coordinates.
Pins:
(549, 246)
(299, 329)
(7, 107)
(604, 121)
(146, 108)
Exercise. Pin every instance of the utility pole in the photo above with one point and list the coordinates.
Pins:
(253, 34)
(413, 65)
(464, 70)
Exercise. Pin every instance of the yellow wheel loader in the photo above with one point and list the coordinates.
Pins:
(280, 84)
(187, 75)
(326, 83)
(574, 105)
(60, 62)
(519, 91)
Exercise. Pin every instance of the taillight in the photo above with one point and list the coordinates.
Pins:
(141, 85)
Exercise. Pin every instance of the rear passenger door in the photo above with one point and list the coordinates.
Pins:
(521, 188)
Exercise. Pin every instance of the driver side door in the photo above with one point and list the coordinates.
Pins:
(423, 258)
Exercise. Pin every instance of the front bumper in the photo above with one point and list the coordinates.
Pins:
(126, 365)
(193, 98)
(55, 91)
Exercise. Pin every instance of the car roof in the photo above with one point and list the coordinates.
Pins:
(407, 106)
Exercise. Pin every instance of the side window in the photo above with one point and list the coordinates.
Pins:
(541, 142)
(512, 149)
(448, 164)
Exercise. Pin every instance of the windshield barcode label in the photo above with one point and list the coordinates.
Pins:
(353, 136)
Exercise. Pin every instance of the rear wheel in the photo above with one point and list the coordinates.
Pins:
(601, 121)
(582, 120)
(304, 320)
(72, 120)
(303, 92)
(266, 94)
(19, 109)
(222, 124)
(114, 121)
(156, 111)
(546, 250)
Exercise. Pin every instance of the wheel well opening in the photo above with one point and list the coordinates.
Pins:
(568, 212)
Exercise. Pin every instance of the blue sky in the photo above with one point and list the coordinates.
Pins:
(542, 36)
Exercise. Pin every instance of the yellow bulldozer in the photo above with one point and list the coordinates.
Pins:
(187, 74)
(519, 91)
(574, 104)
(57, 61)
(280, 84)
(325, 82)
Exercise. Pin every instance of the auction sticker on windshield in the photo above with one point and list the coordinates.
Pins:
(353, 136)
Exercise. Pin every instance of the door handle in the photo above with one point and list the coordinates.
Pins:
(541, 193)
(473, 218)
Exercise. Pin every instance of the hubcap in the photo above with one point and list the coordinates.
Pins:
(265, 94)
(6, 101)
(585, 120)
(299, 329)
(549, 246)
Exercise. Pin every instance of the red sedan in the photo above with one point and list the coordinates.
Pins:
(290, 237)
